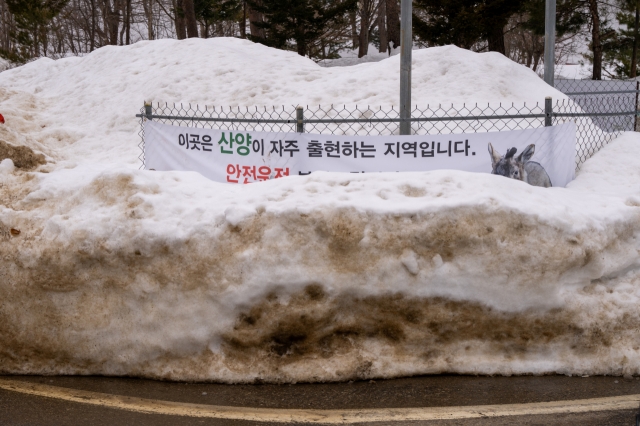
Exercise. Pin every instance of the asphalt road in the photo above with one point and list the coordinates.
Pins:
(19, 409)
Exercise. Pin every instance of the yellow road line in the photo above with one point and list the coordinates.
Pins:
(153, 406)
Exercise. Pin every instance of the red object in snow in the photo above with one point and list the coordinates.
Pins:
(1, 119)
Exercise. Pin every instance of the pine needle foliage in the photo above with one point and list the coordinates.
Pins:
(296, 24)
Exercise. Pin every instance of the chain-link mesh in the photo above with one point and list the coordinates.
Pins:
(578, 87)
(598, 121)
(599, 118)
(604, 97)
(141, 157)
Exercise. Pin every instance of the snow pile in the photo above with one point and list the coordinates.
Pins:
(110, 270)
(325, 277)
(227, 71)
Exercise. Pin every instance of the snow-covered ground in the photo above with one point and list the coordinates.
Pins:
(107, 269)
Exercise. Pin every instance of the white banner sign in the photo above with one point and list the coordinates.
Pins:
(246, 157)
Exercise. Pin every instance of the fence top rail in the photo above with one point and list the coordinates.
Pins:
(342, 120)
(222, 119)
(197, 110)
(608, 92)
(384, 120)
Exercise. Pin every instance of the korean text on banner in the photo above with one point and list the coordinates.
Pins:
(248, 156)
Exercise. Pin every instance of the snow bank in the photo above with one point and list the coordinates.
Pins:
(110, 270)
(325, 277)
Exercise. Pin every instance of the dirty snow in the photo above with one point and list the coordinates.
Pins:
(107, 269)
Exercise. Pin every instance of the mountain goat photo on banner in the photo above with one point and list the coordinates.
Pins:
(520, 167)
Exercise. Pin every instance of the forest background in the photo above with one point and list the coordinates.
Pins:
(602, 32)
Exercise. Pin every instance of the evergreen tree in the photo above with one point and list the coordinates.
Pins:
(32, 18)
(569, 16)
(301, 21)
(621, 50)
(464, 22)
(212, 11)
(447, 22)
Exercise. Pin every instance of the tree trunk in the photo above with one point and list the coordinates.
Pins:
(4, 24)
(92, 43)
(536, 61)
(72, 43)
(301, 42)
(382, 27)
(301, 48)
(128, 24)
(634, 55)
(35, 50)
(365, 17)
(106, 20)
(528, 49)
(354, 29)
(190, 17)
(243, 21)
(256, 17)
(179, 21)
(148, 11)
(393, 23)
(104, 34)
(363, 40)
(495, 38)
(124, 27)
(113, 20)
(45, 40)
(596, 43)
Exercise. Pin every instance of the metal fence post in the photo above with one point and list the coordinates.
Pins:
(300, 119)
(549, 41)
(148, 110)
(406, 43)
(548, 111)
(635, 122)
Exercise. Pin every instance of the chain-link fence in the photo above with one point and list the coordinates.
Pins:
(599, 118)
(600, 96)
